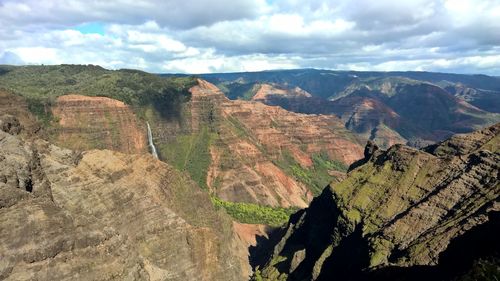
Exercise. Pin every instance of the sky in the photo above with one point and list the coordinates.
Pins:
(202, 36)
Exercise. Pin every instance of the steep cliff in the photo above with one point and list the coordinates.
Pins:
(97, 122)
(415, 108)
(240, 151)
(245, 151)
(16, 106)
(404, 214)
(266, 91)
(103, 215)
(250, 141)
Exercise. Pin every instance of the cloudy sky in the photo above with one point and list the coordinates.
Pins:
(199, 36)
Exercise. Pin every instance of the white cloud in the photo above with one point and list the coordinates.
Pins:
(178, 14)
(37, 55)
(207, 36)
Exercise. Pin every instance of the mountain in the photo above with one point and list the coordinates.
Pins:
(262, 154)
(104, 215)
(401, 214)
(97, 122)
(394, 107)
(265, 91)
(328, 84)
(82, 198)
(418, 110)
(245, 154)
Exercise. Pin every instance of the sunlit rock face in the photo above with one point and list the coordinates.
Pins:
(253, 137)
(97, 122)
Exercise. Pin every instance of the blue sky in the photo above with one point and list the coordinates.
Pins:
(90, 28)
(192, 36)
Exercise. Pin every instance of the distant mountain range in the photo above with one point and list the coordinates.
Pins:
(417, 108)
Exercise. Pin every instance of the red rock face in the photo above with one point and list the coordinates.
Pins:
(302, 134)
(371, 119)
(250, 138)
(266, 90)
(253, 136)
(98, 122)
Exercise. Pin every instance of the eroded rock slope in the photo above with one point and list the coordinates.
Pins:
(104, 215)
(97, 122)
(403, 214)
(250, 139)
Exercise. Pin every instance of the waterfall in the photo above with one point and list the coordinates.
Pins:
(150, 141)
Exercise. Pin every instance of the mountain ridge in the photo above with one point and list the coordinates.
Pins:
(403, 208)
(431, 107)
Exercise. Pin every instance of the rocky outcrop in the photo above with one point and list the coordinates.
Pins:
(388, 108)
(97, 122)
(278, 129)
(251, 138)
(371, 119)
(10, 124)
(267, 91)
(240, 170)
(403, 215)
(424, 111)
(24, 122)
(103, 215)
(482, 98)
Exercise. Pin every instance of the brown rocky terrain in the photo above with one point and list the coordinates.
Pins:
(278, 129)
(252, 137)
(240, 170)
(401, 214)
(402, 107)
(16, 106)
(371, 119)
(266, 91)
(248, 233)
(247, 141)
(104, 215)
(97, 122)
(368, 117)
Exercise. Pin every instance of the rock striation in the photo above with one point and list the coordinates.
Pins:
(414, 108)
(104, 215)
(252, 137)
(266, 91)
(97, 122)
(405, 214)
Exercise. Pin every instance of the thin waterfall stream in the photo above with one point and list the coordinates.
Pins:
(150, 141)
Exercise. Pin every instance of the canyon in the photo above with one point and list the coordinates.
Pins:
(105, 215)
(415, 108)
(402, 213)
(267, 182)
(252, 138)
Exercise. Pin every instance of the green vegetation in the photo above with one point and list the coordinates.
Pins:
(40, 85)
(255, 214)
(190, 153)
(270, 272)
(315, 177)
(483, 269)
(40, 107)
(238, 90)
(238, 127)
